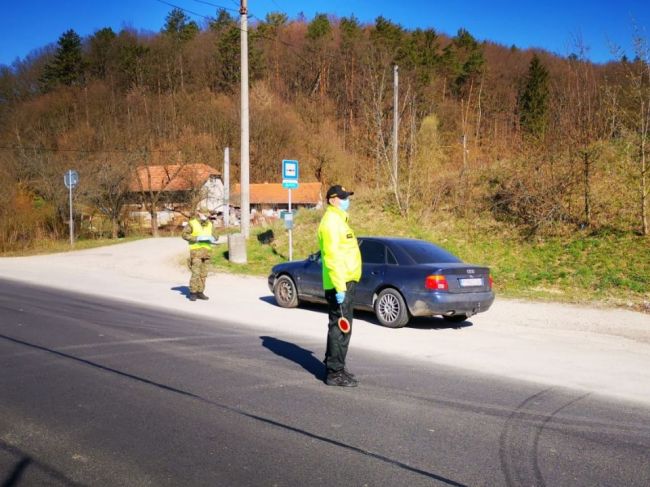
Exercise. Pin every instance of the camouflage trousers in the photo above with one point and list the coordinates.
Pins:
(198, 265)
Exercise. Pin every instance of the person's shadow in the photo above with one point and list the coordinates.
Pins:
(303, 357)
(184, 290)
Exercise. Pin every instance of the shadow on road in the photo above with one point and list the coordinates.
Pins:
(269, 300)
(184, 290)
(437, 323)
(303, 357)
(39, 470)
(419, 323)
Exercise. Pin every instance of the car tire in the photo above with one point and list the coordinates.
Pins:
(459, 318)
(285, 292)
(390, 309)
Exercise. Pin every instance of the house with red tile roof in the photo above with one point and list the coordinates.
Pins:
(272, 196)
(173, 191)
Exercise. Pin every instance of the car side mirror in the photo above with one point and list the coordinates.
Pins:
(314, 257)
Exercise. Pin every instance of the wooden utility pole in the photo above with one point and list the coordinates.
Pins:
(244, 167)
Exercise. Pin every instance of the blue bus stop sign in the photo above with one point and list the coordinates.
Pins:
(289, 170)
(71, 179)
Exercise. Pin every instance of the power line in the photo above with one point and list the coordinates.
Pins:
(95, 151)
(257, 34)
(183, 9)
(218, 6)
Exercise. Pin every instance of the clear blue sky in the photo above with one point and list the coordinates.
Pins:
(552, 24)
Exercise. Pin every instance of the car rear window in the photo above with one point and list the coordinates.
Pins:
(427, 253)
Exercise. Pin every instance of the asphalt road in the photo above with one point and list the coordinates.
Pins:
(99, 392)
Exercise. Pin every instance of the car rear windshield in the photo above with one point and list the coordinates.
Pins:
(427, 253)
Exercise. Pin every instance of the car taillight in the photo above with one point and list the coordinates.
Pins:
(437, 282)
(491, 281)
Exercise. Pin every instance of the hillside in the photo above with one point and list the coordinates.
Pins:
(546, 152)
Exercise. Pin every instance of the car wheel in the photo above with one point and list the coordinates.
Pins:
(285, 292)
(390, 309)
(455, 318)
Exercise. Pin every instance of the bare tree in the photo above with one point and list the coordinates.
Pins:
(636, 97)
(153, 187)
(108, 188)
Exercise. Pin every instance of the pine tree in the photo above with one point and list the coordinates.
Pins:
(67, 67)
(533, 102)
(179, 26)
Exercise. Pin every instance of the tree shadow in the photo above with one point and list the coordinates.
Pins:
(303, 357)
(183, 290)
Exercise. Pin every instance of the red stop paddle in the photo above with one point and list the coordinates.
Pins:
(344, 324)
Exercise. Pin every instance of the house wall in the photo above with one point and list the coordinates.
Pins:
(213, 190)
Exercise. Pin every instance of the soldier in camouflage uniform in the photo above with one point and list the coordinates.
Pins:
(199, 232)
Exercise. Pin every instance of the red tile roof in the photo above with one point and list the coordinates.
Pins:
(174, 177)
(274, 193)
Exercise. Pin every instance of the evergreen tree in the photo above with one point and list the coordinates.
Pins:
(222, 22)
(67, 67)
(463, 61)
(179, 26)
(533, 102)
(101, 44)
(319, 27)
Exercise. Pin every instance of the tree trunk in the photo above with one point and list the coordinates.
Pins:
(644, 190)
(115, 226)
(154, 221)
(587, 190)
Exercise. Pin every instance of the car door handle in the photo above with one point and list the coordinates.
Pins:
(374, 273)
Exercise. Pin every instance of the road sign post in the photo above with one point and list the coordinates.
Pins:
(71, 179)
(290, 174)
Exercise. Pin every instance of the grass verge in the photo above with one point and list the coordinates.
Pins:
(607, 269)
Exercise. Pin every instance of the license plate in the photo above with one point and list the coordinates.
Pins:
(476, 281)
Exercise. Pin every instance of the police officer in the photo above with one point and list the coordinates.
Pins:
(199, 232)
(341, 272)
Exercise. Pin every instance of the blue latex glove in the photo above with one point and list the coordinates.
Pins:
(340, 297)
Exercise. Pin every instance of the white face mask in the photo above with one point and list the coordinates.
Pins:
(345, 204)
(202, 217)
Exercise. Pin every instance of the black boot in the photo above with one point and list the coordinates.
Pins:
(348, 373)
(200, 295)
(340, 379)
(192, 296)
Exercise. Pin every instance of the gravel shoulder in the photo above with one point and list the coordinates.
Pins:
(602, 351)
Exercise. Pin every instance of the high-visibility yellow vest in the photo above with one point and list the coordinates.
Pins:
(339, 250)
(199, 230)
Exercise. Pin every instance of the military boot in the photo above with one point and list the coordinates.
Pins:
(339, 378)
(200, 295)
(192, 296)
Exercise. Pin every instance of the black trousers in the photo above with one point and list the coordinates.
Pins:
(337, 341)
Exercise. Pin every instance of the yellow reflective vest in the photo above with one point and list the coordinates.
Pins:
(339, 250)
(199, 230)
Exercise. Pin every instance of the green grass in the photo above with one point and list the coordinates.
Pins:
(609, 269)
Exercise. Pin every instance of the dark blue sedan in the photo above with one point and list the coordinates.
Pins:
(401, 278)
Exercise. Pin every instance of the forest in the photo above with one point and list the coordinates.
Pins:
(545, 144)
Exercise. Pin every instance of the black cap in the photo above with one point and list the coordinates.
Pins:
(339, 191)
